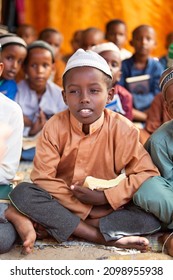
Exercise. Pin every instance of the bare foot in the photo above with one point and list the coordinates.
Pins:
(92, 234)
(167, 240)
(24, 227)
(133, 242)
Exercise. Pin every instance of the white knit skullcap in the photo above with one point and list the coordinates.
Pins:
(87, 58)
(10, 38)
(108, 46)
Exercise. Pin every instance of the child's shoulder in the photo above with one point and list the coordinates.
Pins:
(163, 133)
(59, 119)
(118, 121)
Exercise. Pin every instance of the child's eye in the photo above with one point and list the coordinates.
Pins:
(114, 64)
(10, 58)
(46, 65)
(93, 91)
(34, 65)
(74, 91)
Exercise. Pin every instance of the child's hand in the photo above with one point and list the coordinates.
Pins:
(42, 118)
(27, 121)
(88, 196)
(38, 125)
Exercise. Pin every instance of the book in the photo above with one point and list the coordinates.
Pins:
(138, 84)
(100, 184)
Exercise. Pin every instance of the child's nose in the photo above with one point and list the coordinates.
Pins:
(15, 64)
(84, 97)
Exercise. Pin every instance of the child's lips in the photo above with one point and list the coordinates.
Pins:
(85, 112)
(11, 74)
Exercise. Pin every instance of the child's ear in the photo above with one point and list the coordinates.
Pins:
(1, 68)
(64, 97)
(111, 93)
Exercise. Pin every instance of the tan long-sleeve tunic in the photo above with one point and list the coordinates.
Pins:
(66, 155)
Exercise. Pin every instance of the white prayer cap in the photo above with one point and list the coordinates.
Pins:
(87, 58)
(108, 46)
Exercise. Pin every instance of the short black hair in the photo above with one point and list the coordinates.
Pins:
(114, 22)
(45, 33)
(135, 31)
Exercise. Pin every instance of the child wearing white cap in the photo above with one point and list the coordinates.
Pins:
(122, 101)
(85, 140)
(159, 200)
(13, 53)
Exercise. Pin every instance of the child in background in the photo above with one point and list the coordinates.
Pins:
(55, 39)
(116, 32)
(90, 37)
(75, 44)
(140, 65)
(164, 60)
(122, 100)
(27, 32)
(38, 97)
(13, 53)
(67, 152)
(156, 116)
(153, 197)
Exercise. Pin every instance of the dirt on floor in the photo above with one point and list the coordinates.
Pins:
(80, 251)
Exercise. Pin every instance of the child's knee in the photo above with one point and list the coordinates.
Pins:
(8, 236)
(150, 192)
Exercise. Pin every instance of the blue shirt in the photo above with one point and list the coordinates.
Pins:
(142, 101)
(163, 61)
(8, 88)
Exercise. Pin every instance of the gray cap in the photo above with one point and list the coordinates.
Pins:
(11, 39)
(43, 45)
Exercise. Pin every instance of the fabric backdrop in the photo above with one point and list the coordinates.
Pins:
(70, 15)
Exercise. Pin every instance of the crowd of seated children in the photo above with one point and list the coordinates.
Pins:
(38, 97)
(122, 100)
(90, 37)
(67, 152)
(145, 69)
(116, 32)
(13, 53)
(53, 37)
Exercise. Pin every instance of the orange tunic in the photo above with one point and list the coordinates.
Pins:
(65, 155)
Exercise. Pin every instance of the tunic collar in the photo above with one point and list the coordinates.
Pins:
(92, 128)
